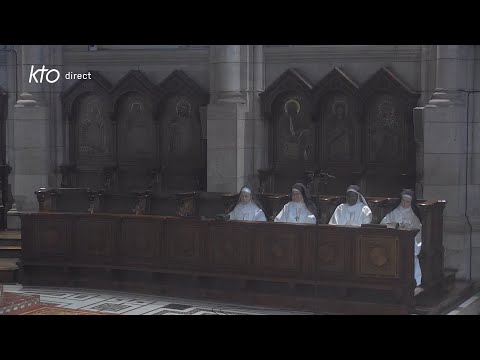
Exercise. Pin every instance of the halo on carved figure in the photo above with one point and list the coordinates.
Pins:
(340, 102)
(183, 108)
(137, 104)
(291, 101)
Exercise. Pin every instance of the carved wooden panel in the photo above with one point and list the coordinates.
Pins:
(90, 136)
(181, 130)
(277, 249)
(338, 118)
(386, 136)
(389, 147)
(361, 135)
(184, 244)
(378, 256)
(136, 130)
(140, 241)
(286, 105)
(52, 238)
(307, 252)
(294, 131)
(183, 152)
(339, 129)
(94, 133)
(94, 239)
(230, 245)
(284, 256)
(331, 252)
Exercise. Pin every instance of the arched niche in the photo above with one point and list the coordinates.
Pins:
(389, 147)
(287, 106)
(182, 147)
(337, 114)
(90, 137)
(137, 139)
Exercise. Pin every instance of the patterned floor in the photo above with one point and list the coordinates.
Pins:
(135, 304)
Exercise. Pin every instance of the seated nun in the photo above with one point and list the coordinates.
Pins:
(407, 215)
(354, 212)
(300, 210)
(247, 208)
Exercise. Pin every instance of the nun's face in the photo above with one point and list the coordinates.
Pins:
(352, 198)
(297, 196)
(245, 197)
(406, 202)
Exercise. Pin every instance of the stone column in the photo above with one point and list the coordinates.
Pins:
(445, 150)
(31, 93)
(226, 116)
(29, 153)
(226, 59)
(260, 142)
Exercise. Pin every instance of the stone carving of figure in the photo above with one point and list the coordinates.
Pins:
(93, 137)
(387, 144)
(136, 128)
(297, 141)
(180, 131)
(339, 134)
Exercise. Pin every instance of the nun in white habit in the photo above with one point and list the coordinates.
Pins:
(407, 215)
(246, 208)
(354, 211)
(300, 210)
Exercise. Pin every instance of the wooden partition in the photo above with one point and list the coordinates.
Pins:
(322, 268)
(207, 205)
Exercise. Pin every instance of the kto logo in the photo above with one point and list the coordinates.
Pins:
(51, 75)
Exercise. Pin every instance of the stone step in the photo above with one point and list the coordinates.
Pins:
(11, 234)
(10, 242)
(10, 251)
(9, 272)
(442, 303)
(10, 238)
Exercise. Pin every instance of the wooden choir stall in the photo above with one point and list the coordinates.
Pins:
(174, 245)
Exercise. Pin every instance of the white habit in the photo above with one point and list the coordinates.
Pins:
(407, 219)
(296, 212)
(351, 215)
(247, 212)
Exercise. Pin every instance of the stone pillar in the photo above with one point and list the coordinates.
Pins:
(29, 153)
(260, 141)
(227, 64)
(31, 94)
(226, 116)
(474, 169)
(445, 150)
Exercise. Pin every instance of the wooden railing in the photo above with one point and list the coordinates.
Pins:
(321, 268)
(207, 205)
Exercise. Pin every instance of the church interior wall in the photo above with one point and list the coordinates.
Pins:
(358, 62)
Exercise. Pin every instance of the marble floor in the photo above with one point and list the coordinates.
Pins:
(135, 304)
(140, 304)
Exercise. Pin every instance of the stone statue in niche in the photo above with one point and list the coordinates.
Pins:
(339, 130)
(385, 136)
(137, 124)
(296, 135)
(93, 137)
(180, 129)
(136, 128)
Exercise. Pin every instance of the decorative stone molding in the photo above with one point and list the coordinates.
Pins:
(344, 53)
(137, 58)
